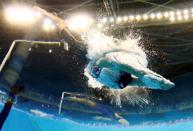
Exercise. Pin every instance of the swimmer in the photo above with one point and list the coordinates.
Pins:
(119, 75)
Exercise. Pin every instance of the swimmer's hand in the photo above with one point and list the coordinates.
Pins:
(61, 24)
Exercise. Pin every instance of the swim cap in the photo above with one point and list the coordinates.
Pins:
(95, 71)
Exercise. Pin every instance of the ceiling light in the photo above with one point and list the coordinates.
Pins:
(99, 25)
(171, 13)
(166, 14)
(111, 19)
(131, 17)
(185, 11)
(119, 19)
(48, 25)
(138, 17)
(178, 12)
(186, 17)
(125, 18)
(81, 22)
(159, 15)
(172, 19)
(104, 20)
(152, 16)
(19, 14)
(145, 16)
(179, 17)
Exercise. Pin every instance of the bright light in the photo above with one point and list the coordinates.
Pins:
(111, 19)
(159, 15)
(19, 15)
(186, 17)
(119, 19)
(38, 15)
(104, 20)
(178, 13)
(166, 14)
(50, 51)
(29, 49)
(48, 25)
(179, 17)
(145, 16)
(80, 22)
(171, 13)
(152, 16)
(172, 19)
(185, 11)
(99, 25)
(138, 17)
(125, 18)
(131, 17)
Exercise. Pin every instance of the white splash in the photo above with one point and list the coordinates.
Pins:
(99, 44)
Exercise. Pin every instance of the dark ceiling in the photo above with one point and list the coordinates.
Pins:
(113, 7)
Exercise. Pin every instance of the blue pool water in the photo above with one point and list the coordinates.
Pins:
(20, 121)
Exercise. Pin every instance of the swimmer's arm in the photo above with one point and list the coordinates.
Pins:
(148, 77)
(105, 63)
(61, 24)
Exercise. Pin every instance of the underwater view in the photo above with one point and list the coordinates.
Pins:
(89, 65)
